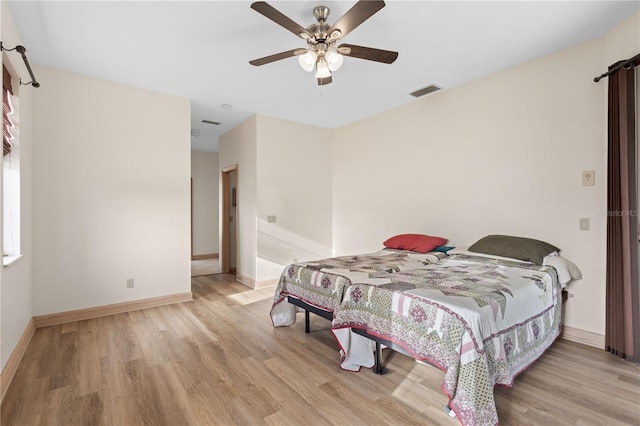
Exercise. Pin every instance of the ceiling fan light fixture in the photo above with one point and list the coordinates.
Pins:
(321, 54)
(322, 69)
(307, 60)
(334, 59)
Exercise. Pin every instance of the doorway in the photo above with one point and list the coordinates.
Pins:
(229, 228)
(205, 213)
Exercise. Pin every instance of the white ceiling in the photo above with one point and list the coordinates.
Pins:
(201, 50)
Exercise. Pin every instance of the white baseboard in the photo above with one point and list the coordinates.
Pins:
(582, 336)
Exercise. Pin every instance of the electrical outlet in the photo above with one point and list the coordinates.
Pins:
(585, 224)
(271, 219)
(129, 282)
(588, 177)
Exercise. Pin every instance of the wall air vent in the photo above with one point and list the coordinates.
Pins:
(425, 91)
(215, 123)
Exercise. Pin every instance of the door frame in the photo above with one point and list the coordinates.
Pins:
(226, 211)
(191, 218)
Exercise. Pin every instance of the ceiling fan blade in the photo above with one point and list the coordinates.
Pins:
(277, 57)
(368, 53)
(324, 81)
(279, 18)
(355, 16)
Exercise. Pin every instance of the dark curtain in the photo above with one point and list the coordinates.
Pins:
(622, 336)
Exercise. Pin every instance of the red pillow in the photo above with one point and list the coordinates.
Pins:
(415, 242)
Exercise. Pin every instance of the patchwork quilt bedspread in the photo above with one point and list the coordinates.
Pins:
(482, 321)
(322, 283)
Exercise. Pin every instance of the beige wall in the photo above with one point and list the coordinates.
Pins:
(284, 170)
(294, 185)
(16, 293)
(205, 215)
(623, 41)
(111, 192)
(502, 154)
(238, 146)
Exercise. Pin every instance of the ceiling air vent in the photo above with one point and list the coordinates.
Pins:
(215, 123)
(425, 91)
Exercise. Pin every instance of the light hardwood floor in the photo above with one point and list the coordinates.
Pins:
(218, 361)
(201, 267)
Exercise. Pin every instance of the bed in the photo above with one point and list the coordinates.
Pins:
(318, 286)
(482, 320)
(482, 315)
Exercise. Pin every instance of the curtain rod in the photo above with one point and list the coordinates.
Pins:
(622, 64)
(21, 50)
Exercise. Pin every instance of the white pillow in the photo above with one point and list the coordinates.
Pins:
(567, 270)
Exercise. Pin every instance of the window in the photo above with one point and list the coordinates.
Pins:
(10, 171)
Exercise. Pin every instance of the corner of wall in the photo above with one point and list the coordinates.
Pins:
(16, 291)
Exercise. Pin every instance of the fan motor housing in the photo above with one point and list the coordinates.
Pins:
(319, 31)
(321, 13)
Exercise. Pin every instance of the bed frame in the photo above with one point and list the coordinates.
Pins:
(377, 368)
(309, 308)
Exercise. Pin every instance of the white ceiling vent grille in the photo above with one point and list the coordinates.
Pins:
(425, 91)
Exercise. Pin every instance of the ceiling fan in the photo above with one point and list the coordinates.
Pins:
(322, 53)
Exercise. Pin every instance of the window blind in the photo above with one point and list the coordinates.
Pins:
(6, 110)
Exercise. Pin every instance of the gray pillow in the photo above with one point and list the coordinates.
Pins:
(517, 247)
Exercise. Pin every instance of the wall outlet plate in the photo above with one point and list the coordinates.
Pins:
(585, 224)
(588, 177)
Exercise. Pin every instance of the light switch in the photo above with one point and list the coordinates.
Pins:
(588, 177)
(585, 224)
(271, 219)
